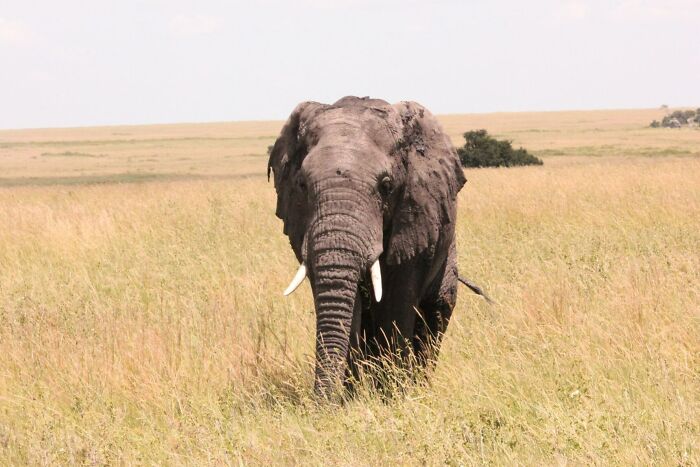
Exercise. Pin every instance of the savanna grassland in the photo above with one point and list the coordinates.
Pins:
(142, 319)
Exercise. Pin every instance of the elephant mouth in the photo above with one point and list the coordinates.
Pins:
(375, 276)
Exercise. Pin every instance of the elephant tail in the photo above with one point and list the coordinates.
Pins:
(475, 288)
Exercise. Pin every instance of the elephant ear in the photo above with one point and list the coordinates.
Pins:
(286, 157)
(433, 176)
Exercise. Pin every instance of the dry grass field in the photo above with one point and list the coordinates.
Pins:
(142, 319)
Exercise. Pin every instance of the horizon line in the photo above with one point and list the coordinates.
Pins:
(256, 120)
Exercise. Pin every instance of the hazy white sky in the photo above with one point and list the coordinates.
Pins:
(70, 63)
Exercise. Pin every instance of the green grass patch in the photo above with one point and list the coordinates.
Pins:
(111, 142)
(126, 177)
(71, 154)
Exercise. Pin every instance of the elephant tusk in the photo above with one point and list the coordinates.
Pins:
(376, 274)
(298, 279)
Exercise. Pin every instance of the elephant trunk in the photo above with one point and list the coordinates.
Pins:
(339, 248)
(335, 282)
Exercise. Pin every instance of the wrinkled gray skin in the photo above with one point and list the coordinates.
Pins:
(359, 180)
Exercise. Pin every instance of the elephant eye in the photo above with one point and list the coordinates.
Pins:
(386, 185)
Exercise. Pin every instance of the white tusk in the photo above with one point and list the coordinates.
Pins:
(376, 274)
(298, 279)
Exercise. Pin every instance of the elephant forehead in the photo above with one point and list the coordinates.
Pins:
(356, 126)
(345, 157)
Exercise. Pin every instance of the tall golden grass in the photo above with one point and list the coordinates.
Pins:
(142, 322)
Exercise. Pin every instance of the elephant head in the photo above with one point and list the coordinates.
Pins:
(362, 186)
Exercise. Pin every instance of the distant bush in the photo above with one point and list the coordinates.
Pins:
(677, 119)
(482, 150)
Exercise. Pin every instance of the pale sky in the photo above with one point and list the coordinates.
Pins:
(76, 63)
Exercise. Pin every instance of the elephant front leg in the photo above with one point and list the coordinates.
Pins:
(395, 316)
(431, 325)
(387, 328)
(435, 312)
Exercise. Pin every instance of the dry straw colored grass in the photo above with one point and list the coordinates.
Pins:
(144, 322)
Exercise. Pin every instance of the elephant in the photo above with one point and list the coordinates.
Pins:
(367, 192)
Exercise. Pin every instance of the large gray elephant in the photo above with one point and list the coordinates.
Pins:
(368, 195)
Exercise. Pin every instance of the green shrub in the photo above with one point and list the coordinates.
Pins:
(678, 118)
(482, 150)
